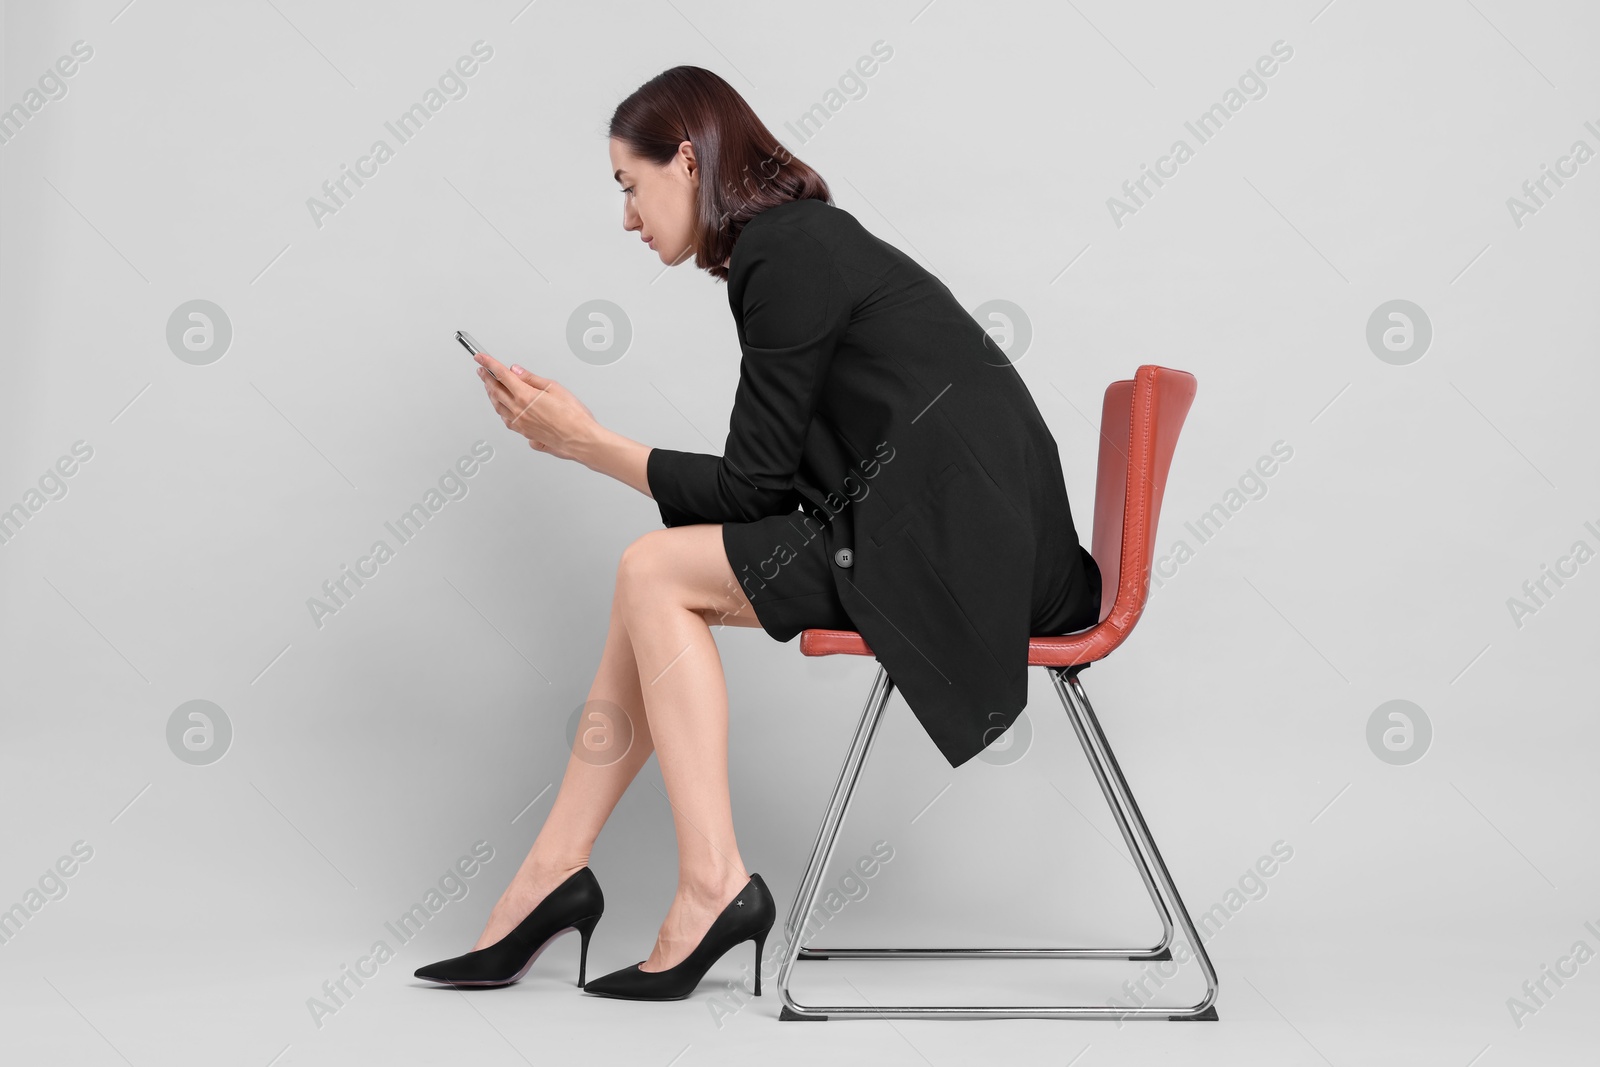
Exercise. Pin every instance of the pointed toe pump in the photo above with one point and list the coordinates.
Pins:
(747, 917)
(575, 904)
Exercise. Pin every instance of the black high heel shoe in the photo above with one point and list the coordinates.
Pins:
(575, 904)
(748, 917)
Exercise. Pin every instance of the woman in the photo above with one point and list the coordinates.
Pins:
(886, 471)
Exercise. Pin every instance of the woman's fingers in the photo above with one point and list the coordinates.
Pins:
(506, 400)
(510, 378)
(494, 366)
(515, 393)
(500, 409)
(531, 378)
(511, 412)
(491, 388)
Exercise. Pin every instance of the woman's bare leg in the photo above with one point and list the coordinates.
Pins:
(590, 789)
(672, 584)
(594, 782)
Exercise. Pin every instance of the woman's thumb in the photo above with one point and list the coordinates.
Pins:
(528, 376)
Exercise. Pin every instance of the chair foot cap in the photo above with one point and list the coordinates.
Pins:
(787, 1016)
(1164, 954)
(1207, 1016)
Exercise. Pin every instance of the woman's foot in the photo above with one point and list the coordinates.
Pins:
(575, 904)
(530, 886)
(748, 916)
(694, 908)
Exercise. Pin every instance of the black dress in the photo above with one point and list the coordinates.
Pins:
(801, 594)
(886, 471)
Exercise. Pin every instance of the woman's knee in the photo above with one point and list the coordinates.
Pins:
(679, 567)
(645, 570)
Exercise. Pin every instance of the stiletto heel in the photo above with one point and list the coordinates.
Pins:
(761, 939)
(748, 916)
(585, 927)
(575, 904)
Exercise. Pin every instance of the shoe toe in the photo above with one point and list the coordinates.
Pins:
(617, 983)
(441, 970)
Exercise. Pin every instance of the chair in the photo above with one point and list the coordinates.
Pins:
(1140, 422)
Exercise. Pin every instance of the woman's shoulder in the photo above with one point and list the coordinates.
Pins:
(792, 221)
(791, 211)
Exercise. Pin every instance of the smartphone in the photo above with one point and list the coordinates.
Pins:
(472, 346)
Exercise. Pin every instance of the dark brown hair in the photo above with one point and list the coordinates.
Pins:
(743, 168)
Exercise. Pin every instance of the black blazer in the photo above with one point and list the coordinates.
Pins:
(869, 399)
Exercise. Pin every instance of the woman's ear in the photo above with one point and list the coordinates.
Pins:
(686, 153)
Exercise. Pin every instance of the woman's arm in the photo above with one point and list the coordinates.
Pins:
(608, 452)
(793, 308)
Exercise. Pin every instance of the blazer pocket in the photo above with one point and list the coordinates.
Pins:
(898, 521)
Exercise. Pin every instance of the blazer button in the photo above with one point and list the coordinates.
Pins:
(844, 557)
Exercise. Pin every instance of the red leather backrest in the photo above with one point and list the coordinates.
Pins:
(1139, 426)
(1111, 489)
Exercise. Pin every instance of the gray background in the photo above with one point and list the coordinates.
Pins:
(368, 755)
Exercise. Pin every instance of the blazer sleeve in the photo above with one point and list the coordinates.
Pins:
(792, 309)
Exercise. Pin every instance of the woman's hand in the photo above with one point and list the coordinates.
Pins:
(544, 411)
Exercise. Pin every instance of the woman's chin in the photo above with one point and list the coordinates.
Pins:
(669, 260)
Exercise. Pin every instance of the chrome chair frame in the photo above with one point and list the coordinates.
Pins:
(1142, 846)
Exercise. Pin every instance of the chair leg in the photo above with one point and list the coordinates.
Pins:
(1160, 952)
(1126, 808)
(828, 834)
(1141, 845)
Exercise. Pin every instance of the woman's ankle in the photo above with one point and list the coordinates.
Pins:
(713, 884)
(550, 865)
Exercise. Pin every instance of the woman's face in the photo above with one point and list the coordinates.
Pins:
(659, 201)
